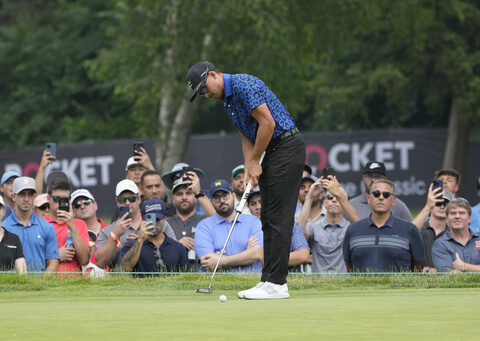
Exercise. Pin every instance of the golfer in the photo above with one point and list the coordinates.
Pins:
(264, 125)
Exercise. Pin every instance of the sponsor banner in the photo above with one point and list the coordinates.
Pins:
(96, 166)
(411, 157)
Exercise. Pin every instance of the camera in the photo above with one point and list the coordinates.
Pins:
(137, 148)
(151, 217)
(63, 204)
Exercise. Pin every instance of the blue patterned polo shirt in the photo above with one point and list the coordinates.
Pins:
(243, 93)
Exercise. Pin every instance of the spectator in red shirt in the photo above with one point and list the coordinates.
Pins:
(71, 258)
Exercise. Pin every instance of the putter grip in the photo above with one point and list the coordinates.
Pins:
(242, 203)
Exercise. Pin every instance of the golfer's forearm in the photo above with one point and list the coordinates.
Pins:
(249, 256)
(298, 257)
(247, 148)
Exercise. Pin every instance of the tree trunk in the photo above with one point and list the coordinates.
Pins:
(175, 123)
(456, 149)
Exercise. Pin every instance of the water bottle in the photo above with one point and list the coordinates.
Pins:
(69, 240)
(192, 256)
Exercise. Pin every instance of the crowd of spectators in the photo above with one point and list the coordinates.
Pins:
(167, 222)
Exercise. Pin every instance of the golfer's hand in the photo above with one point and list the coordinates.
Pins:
(66, 253)
(209, 261)
(187, 242)
(253, 170)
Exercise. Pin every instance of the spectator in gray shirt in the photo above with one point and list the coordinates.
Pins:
(325, 235)
(372, 171)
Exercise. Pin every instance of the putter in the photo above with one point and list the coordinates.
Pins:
(238, 210)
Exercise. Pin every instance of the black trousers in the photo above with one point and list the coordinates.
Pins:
(279, 184)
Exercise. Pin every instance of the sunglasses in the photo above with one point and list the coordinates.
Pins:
(79, 203)
(443, 203)
(56, 198)
(329, 197)
(123, 200)
(377, 194)
(44, 207)
(204, 89)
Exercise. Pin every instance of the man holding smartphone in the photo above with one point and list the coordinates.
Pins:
(153, 251)
(61, 217)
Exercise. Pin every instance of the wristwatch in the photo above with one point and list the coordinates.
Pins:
(200, 194)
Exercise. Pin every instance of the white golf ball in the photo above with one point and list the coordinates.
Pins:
(222, 298)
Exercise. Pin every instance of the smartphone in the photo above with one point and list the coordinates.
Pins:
(153, 219)
(137, 148)
(122, 210)
(64, 204)
(52, 148)
(328, 171)
(437, 184)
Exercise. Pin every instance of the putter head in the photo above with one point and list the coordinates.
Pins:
(204, 291)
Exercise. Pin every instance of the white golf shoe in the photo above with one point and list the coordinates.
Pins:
(241, 294)
(267, 291)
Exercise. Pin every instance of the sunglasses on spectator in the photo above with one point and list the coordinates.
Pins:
(442, 203)
(223, 196)
(85, 202)
(329, 197)
(123, 200)
(44, 207)
(377, 194)
(56, 198)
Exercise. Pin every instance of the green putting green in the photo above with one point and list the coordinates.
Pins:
(167, 308)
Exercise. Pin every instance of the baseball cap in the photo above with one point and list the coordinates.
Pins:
(155, 206)
(126, 185)
(8, 175)
(81, 193)
(254, 191)
(238, 169)
(22, 183)
(375, 167)
(40, 200)
(178, 183)
(130, 162)
(174, 174)
(197, 74)
(312, 178)
(447, 195)
(219, 185)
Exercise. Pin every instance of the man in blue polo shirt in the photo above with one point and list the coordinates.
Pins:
(382, 242)
(265, 126)
(244, 250)
(36, 235)
(153, 251)
(458, 249)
